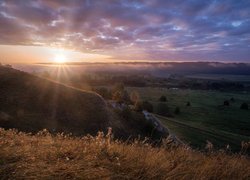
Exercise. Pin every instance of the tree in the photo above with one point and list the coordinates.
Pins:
(117, 96)
(134, 97)
(226, 103)
(162, 109)
(144, 105)
(138, 106)
(147, 106)
(188, 104)
(125, 97)
(118, 87)
(177, 110)
(121, 96)
(244, 106)
(8, 66)
(126, 113)
(163, 99)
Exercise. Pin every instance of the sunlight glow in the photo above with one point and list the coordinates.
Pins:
(60, 58)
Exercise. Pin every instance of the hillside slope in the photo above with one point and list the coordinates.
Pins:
(43, 156)
(30, 104)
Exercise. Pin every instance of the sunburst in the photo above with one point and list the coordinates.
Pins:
(60, 59)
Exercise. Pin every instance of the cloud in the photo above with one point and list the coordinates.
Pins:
(125, 29)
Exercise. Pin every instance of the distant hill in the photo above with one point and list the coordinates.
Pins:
(155, 68)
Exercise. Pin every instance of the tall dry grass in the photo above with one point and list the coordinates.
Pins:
(43, 156)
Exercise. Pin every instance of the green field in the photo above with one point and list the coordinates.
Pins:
(206, 118)
(228, 77)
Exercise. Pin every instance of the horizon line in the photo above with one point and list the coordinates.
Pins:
(126, 62)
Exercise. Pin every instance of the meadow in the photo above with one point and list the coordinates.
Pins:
(206, 118)
(227, 77)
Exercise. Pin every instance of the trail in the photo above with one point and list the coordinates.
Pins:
(172, 138)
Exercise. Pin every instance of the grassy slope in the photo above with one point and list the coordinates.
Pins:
(197, 137)
(204, 113)
(43, 156)
(30, 104)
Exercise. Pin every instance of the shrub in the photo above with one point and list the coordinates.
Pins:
(144, 105)
(163, 99)
(8, 66)
(125, 97)
(162, 109)
(126, 113)
(119, 94)
(147, 106)
(226, 103)
(134, 97)
(244, 106)
(121, 97)
(138, 106)
(118, 87)
(177, 110)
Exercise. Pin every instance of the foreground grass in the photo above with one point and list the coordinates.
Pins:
(43, 156)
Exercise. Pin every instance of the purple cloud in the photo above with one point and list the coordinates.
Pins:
(126, 29)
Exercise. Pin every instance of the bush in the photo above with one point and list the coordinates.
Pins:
(121, 97)
(177, 110)
(162, 109)
(118, 87)
(163, 99)
(8, 66)
(244, 106)
(134, 97)
(119, 94)
(147, 106)
(226, 103)
(126, 113)
(144, 105)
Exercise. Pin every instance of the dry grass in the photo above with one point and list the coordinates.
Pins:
(43, 156)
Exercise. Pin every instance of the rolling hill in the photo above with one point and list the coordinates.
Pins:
(30, 103)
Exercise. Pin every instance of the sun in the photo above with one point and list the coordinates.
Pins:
(60, 59)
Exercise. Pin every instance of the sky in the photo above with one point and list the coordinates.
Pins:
(124, 30)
